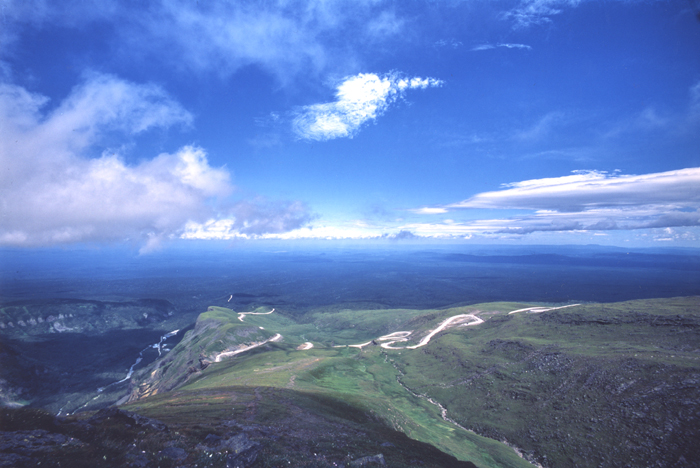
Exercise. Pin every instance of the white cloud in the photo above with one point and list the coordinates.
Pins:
(359, 99)
(590, 189)
(584, 201)
(483, 47)
(53, 192)
(322, 231)
(665, 123)
(403, 235)
(695, 96)
(429, 210)
(647, 120)
(104, 102)
(615, 219)
(284, 37)
(538, 12)
(33, 141)
(104, 199)
(515, 46)
(16, 15)
(383, 25)
(535, 12)
(451, 43)
(505, 45)
(693, 118)
(590, 222)
(251, 219)
(329, 230)
(542, 128)
(673, 235)
(586, 204)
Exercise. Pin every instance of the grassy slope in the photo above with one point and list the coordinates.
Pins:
(583, 386)
(216, 331)
(365, 379)
(600, 384)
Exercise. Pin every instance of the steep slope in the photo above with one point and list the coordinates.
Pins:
(581, 385)
(593, 385)
(356, 374)
(57, 353)
(241, 427)
(218, 333)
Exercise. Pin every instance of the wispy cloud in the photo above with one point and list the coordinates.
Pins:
(284, 37)
(504, 45)
(647, 120)
(692, 120)
(359, 99)
(589, 189)
(18, 14)
(695, 97)
(592, 221)
(585, 200)
(454, 44)
(535, 12)
(541, 128)
(612, 219)
(384, 24)
(52, 191)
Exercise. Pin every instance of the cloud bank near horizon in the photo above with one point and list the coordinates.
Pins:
(52, 191)
(585, 200)
(594, 189)
(666, 204)
(359, 99)
(251, 219)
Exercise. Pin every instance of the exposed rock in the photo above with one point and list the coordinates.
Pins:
(243, 451)
(243, 459)
(369, 460)
(19, 446)
(137, 461)
(133, 418)
(173, 453)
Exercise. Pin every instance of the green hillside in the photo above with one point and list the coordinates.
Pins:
(574, 386)
(490, 385)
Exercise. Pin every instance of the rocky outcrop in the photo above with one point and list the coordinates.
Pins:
(287, 429)
(129, 418)
(369, 460)
(242, 452)
(39, 317)
(19, 448)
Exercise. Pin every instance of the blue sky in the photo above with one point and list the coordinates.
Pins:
(531, 121)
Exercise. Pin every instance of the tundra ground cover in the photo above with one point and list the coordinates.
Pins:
(559, 385)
